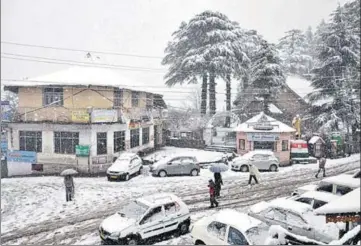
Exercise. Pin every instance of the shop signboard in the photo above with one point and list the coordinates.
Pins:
(80, 116)
(21, 156)
(104, 116)
(262, 137)
(82, 150)
(5, 111)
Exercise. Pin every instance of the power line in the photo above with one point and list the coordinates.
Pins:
(81, 50)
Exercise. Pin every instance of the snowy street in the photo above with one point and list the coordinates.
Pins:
(34, 210)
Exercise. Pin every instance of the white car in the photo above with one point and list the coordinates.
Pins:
(295, 217)
(146, 218)
(315, 199)
(262, 159)
(229, 227)
(125, 166)
(339, 185)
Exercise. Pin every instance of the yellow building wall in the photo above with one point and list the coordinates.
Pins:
(94, 97)
(30, 97)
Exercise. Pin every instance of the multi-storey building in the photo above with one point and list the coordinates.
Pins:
(89, 110)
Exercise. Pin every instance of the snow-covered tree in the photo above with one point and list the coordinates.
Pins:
(208, 46)
(294, 52)
(12, 98)
(266, 73)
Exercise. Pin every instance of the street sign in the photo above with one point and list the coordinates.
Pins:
(82, 150)
(21, 156)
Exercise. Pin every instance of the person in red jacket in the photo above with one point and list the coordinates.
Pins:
(212, 194)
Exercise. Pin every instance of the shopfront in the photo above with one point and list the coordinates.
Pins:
(265, 133)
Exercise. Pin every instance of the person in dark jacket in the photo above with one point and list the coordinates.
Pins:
(212, 197)
(218, 183)
(69, 187)
(321, 166)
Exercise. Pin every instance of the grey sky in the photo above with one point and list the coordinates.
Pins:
(132, 26)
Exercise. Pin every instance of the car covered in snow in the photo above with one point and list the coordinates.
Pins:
(229, 227)
(146, 218)
(262, 159)
(125, 166)
(355, 174)
(295, 217)
(339, 185)
(315, 199)
(176, 165)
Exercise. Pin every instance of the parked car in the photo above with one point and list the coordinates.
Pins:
(125, 166)
(295, 217)
(355, 174)
(229, 227)
(176, 165)
(145, 218)
(339, 185)
(262, 159)
(315, 199)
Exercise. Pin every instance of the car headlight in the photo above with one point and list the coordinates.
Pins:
(115, 234)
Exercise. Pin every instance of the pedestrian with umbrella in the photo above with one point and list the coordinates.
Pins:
(69, 183)
(217, 168)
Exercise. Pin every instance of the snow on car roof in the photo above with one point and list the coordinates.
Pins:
(158, 199)
(349, 203)
(320, 195)
(127, 155)
(290, 205)
(236, 219)
(309, 187)
(344, 180)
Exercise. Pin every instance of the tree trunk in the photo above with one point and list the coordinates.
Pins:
(266, 102)
(212, 94)
(228, 100)
(204, 95)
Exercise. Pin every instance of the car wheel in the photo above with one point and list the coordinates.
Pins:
(183, 228)
(140, 171)
(273, 168)
(132, 241)
(244, 168)
(162, 174)
(109, 179)
(127, 176)
(199, 242)
(194, 172)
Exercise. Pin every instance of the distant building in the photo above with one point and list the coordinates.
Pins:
(94, 111)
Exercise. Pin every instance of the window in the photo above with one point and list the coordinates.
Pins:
(65, 142)
(325, 187)
(295, 219)
(318, 203)
(119, 141)
(235, 237)
(284, 145)
(171, 208)
(275, 214)
(135, 99)
(101, 143)
(118, 97)
(30, 141)
(145, 135)
(305, 200)
(217, 229)
(342, 190)
(149, 101)
(153, 215)
(53, 96)
(134, 138)
(265, 145)
(188, 160)
(242, 144)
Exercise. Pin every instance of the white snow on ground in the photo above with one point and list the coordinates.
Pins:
(38, 203)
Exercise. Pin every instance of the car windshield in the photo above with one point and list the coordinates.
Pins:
(258, 234)
(122, 161)
(134, 210)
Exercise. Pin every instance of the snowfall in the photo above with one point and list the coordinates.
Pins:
(34, 211)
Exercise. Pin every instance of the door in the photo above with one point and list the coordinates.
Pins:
(275, 216)
(132, 166)
(187, 165)
(174, 166)
(152, 223)
(257, 160)
(172, 213)
(298, 226)
(216, 233)
(265, 161)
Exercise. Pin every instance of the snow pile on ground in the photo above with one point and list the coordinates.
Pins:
(349, 235)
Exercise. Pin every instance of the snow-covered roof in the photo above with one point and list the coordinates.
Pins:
(344, 180)
(273, 108)
(290, 205)
(320, 195)
(236, 219)
(349, 203)
(278, 126)
(299, 85)
(314, 139)
(158, 199)
(82, 76)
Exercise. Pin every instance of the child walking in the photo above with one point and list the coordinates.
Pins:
(212, 195)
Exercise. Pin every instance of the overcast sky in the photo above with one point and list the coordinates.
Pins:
(132, 26)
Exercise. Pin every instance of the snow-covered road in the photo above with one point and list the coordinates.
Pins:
(34, 211)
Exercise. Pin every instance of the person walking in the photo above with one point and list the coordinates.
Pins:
(212, 197)
(69, 187)
(218, 183)
(321, 166)
(253, 174)
(225, 158)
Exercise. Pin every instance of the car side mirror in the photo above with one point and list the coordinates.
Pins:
(307, 228)
(169, 163)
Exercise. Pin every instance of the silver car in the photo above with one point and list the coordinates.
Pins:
(262, 159)
(179, 165)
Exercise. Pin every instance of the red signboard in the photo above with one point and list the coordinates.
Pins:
(342, 218)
